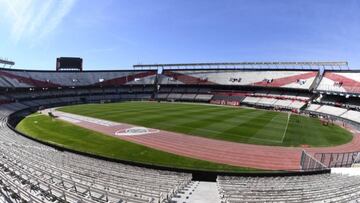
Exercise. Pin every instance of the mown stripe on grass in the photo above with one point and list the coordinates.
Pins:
(73, 137)
(270, 130)
(225, 123)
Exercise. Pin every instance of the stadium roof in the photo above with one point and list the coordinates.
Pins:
(242, 65)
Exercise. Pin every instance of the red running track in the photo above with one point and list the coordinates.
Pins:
(236, 154)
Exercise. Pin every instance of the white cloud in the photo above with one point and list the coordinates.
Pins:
(34, 19)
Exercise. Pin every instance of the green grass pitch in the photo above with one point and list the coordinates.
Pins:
(67, 135)
(243, 125)
(216, 122)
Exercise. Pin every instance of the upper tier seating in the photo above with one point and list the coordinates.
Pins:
(27, 79)
(299, 79)
(343, 82)
(312, 188)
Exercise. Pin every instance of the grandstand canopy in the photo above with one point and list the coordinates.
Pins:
(249, 65)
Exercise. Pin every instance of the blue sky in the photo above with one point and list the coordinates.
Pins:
(116, 34)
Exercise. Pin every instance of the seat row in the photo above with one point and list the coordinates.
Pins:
(32, 172)
(310, 188)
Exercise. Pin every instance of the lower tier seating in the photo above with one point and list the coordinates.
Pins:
(332, 110)
(312, 188)
(274, 103)
(184, 97)
(32, 172)
(351, 115)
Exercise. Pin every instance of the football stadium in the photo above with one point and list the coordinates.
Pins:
(170, 101)
(246, 132)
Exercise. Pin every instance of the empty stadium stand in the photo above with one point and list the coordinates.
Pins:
(299, 79)
(312, 188)
(340, 81)
(10, 78)
(337, 107)
(34, 172)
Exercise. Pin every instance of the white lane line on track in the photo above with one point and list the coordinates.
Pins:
(68, 119)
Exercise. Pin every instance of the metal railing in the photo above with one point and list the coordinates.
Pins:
(345, 159)
(309, 163)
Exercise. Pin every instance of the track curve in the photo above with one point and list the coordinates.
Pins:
(225, 152)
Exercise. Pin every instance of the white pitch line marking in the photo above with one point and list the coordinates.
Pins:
(287, 124)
